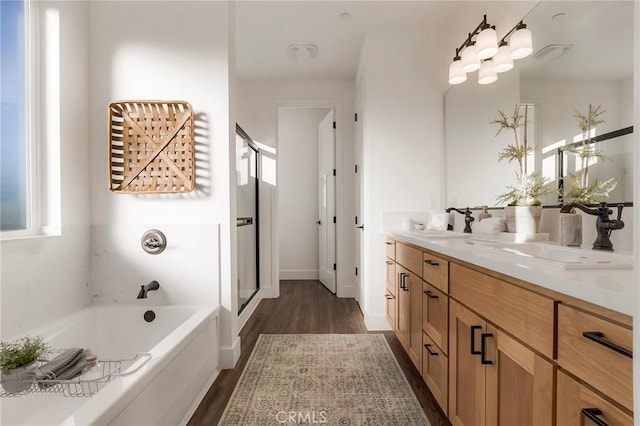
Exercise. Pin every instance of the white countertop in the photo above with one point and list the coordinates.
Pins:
(609, 288)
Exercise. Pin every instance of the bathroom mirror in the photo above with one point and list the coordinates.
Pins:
(583, 54)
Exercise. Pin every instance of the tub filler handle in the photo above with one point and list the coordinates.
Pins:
(146, 356)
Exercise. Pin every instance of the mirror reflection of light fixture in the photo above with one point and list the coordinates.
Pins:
(486, 51)
(302, 52)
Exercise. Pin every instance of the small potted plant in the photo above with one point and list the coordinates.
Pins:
(579, 189)
(524, 208)
(17, 361)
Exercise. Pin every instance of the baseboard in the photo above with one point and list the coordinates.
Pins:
(299, 274)
(376, 322)
(229, 356)
(199, 398)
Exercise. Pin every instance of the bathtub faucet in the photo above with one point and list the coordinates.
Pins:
(144, 289)
(604, 225)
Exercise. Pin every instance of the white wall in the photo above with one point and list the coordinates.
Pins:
(636, 193)
(257, 105)
(403, 144)
(298, 191)
(48, 277)
(136, 55)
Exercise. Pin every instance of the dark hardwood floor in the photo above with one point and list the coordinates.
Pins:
(306, 307)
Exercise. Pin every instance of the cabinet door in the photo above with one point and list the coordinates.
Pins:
(435, 371)
(519, 382)
(403, 320)
(415, 344)
(391, 310)
(578, 405)
(391, 276)
(467, 374)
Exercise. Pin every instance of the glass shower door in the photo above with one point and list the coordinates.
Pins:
(247, 217)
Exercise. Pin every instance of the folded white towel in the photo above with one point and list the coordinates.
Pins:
(491, 225)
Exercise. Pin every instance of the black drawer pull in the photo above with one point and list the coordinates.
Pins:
(427, 346)
(403, 284)
(389, 297)
(389, 243)
(431, 262)
(483, 349)
(592, 414)
(473, 339)
(430, 295)
(389, 262)
(598, 337)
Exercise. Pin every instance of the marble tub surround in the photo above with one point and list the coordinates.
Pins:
(610, 288)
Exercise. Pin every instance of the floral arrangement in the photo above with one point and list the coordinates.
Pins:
(21, 352)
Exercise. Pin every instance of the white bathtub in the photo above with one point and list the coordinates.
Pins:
(163, 390)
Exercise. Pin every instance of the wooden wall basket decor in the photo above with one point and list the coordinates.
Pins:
(151, 149)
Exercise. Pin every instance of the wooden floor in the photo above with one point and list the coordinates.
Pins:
(305, 307)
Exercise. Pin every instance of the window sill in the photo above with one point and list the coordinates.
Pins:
(44, 232)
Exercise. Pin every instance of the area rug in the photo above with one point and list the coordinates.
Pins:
(334, 379)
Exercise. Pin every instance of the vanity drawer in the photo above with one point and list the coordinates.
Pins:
(410, 258)
(520, 312)
(435, 271)
(435, 316)
(390, 248)
(574, 397)
(391, 309)
(391, 276)
(435, 371)
(599, 363)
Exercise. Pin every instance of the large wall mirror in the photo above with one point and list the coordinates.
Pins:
(583, 55)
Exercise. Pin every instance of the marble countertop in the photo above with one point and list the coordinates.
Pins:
(609, 288)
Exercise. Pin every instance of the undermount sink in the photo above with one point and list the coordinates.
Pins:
(434, 233)
(559, 256)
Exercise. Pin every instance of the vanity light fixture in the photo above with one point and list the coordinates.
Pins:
(482, 51)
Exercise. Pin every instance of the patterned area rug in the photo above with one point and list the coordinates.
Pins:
(334, 379)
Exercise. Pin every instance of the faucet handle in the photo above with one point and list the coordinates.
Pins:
(620, 207)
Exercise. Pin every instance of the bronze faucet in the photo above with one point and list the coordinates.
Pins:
(604, 225)
(467, 217)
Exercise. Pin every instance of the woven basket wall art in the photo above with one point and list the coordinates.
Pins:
(151, 148)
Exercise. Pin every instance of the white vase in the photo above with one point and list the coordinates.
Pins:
(523, 219)
(18, 379)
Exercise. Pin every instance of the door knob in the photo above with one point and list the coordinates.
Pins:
(319, 222)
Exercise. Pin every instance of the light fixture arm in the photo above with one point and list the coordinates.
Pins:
(469, 40)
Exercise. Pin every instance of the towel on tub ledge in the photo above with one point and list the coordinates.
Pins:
(65, 366)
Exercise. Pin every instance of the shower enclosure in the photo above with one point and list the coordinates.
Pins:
(247, 217)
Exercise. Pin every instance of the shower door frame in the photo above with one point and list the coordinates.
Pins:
(252, 145)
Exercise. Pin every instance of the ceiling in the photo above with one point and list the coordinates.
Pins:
(264, 30)
(600, 33)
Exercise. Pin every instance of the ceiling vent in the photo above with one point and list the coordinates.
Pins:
(302, 52)
(552, 52)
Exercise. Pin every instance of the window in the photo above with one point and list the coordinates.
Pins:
(15, 152)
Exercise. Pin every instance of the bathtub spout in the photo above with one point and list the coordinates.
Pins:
(144, 289)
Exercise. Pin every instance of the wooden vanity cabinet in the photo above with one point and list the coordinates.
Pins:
(402, 328)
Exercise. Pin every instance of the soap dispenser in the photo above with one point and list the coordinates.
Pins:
(484, 214)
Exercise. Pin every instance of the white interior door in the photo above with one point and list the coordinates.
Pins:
(359, 230)
(326, 202)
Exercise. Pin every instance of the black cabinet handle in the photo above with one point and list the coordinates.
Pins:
(431, 262)
(598, 337)
(403, 284)
(430, 295)
(428, 348)
(389, 262)
(473, 339)
(389, 297)
(483, 349)
(389, 243)
(592, 414)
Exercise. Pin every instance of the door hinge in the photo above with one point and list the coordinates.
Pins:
(334, 219)
(334, 267)
(356, 167)
(334, 172)
(356, 116)
(334, 124)
(356, 272)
